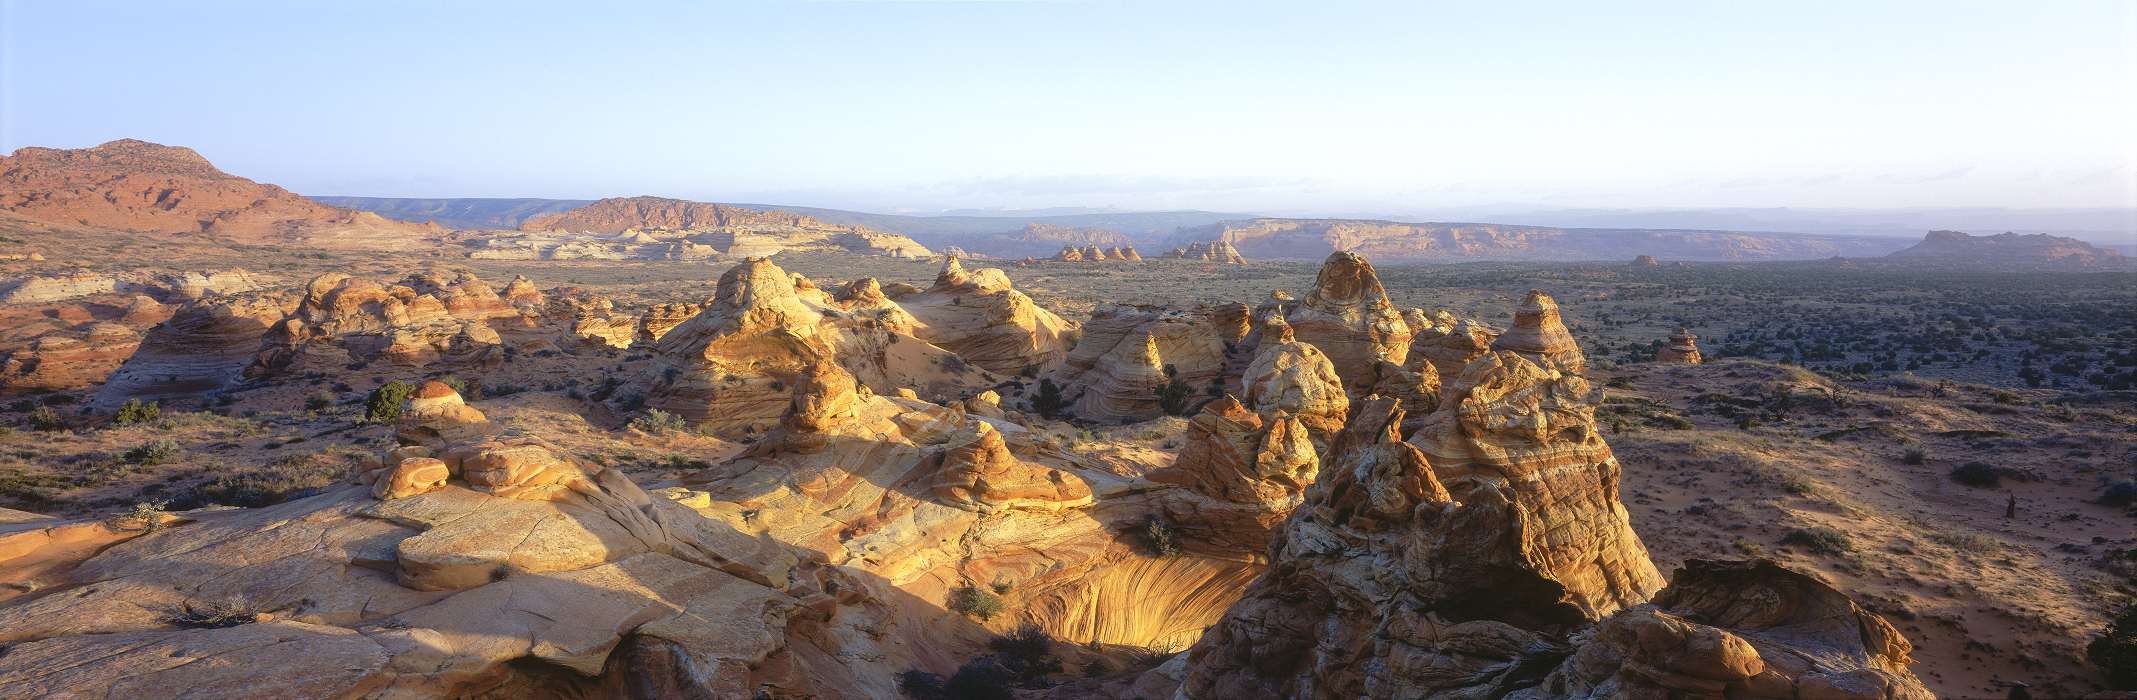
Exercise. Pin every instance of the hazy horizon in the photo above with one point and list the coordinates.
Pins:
(907, 107)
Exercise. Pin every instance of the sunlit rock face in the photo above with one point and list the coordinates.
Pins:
(983, 318)
(1244, 473)
(1294, 377)
(1348, 316)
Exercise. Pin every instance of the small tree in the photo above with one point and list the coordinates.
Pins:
(1172, 396)
(44, 418)
(1048, 400)
(2116, 651)
(384, 404)
(975, 602)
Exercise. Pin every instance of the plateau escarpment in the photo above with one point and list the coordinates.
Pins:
(1391, 241)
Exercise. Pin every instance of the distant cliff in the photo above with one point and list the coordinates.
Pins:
(2007, 251)
(1312, 239)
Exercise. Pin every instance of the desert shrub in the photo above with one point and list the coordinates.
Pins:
(1914, 455)
(1027, 642)
(658, 422)
(459, 385)
(2120, 493)
(1048, 401)
(146, 516)
(151, 453)
(974, 602)
(2115, 652)
(1977, 475)
(1821, 540)
(319, 400)
(981, 679)
(136, 412)
(212, 616)
(46, 419)
(291, 477)
(1158, 538)
(384, 403)
(1172, 395)
(1798, 485)
(920, 685)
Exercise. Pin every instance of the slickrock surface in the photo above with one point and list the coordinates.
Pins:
(1294, 377)
(983, 318)
(131, 185)
(1348, 316)
(1683, 348)
(1117, 368)
(1539, 333)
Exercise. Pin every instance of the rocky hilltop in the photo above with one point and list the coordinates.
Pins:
(674, 229)
(131, 185)
(1390, 241)
(2007, 252)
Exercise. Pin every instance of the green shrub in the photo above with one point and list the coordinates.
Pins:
(319, 400)
(658, 422)
(2115, 652)
(1172, 395)
(212, 616)
(974, 602)
(146, 516)
(136, 412)
(291, 477)
(1820, 540)
(1914, 455)
(1048, 401)
(1977, 475)
(1158, 537)
(384, 404)
(151, 453)
(46, 419)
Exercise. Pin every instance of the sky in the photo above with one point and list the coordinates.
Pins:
(1321, 107)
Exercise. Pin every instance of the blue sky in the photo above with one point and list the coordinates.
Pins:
(1305, 107)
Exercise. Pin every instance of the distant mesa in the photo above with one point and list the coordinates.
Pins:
(657, 228)
(1393, 241)
(2007, 251)
(132, 185)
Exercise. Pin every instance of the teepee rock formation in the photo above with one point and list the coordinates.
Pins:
(1683, 348)
(1539, 333)
(1348, 316)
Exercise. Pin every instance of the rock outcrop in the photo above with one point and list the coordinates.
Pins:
(674, 229)
(1348, 316)
(980, 473)
(1683, 348)
(204, 348)
(1127, 356)
(1244, 473)
(1296, 378)
(426, 318)
(983, 318)
(728, 367)
(1540, 334)
(1220, 251)
(1394, 241)
(436, 415)
(2007, 251)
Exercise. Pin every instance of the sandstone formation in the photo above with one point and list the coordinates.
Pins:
(1220, 251)
(1069, 253)
(1683, 348)
(436, 415)
(1646, 261)
(522, 293)
(173, 286)
(131, 185)
(1348, 316)
(1119, 366)
(1244, 473)
(981, 474)
(728, 367)
(1447, 349)
(204, 348)
(426, 318)
(661, 318)
(1469, 564)
(1541, 335)
(983, 318)
(1128, 253)
(68, 359)
(1296, 378)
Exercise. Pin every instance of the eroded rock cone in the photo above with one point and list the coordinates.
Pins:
(1348, 316)
(982, 318)
(1539, 333)
(1093, 253)
(1416, 391)
(1294, 377)
(521, 293)
(1118, 368)
(1683, 348)
(727, 366)
(1449, 350)
(436, 415)
(1246, 473)
(1128, 253)
(826, 394)
(981, 474)
(1069, 253)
